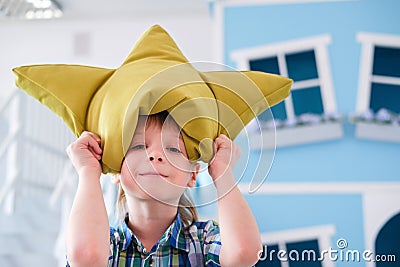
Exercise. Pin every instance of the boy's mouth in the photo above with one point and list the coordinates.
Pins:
(154, 174)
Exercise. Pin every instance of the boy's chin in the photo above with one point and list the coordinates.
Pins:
(160, 196)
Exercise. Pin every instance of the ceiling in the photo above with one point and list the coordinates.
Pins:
(102, 9)
(129, 8)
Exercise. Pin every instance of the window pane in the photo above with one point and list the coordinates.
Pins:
(386, 61)
(303, 254)
(302, 66)
(268, 64)
(385, 96)
(269, 258)
(307, 101)
(278, 111)
(387, 242)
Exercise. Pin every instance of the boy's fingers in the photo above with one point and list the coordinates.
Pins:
(92, 135)
(94, 145)
(223, 141)
(92, 141)
(223, 136)
(85, 143)
(96, 155)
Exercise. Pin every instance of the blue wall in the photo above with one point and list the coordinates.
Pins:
(259, 25)
(347, 159)
(281, 212)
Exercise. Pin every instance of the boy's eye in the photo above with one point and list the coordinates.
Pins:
(138, 147)
(174, 149)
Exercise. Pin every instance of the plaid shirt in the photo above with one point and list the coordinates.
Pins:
(199, 245)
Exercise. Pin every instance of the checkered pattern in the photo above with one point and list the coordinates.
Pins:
(198, 245)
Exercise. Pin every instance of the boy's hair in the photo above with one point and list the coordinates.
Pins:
(186, 207)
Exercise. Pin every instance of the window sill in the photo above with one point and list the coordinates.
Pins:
(378, 131)
(301, 134)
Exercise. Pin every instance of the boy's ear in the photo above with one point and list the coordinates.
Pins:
(193, 176)
(115, 178)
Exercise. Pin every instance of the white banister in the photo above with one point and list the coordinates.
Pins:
(65, 190)
(6, 103)
(11, 146)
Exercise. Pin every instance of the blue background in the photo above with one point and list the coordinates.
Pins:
(345, 160)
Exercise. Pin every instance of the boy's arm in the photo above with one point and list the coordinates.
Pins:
(88, 229)
(240, 238)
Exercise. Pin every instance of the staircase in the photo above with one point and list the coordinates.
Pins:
(28, 236)
(32, 163)
(37, 184)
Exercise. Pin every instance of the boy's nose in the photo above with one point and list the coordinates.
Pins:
(159, 158)
(156, 155)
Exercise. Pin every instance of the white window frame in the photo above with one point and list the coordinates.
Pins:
(365, 130)
(322, 234)
(319, 45)
(375, 195)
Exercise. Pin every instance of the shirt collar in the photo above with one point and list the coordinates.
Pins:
(174, 233)
(177, 238)
(127, 233)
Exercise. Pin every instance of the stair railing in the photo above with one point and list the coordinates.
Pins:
(9, 147)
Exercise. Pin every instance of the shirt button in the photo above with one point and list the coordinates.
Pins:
(151, 262)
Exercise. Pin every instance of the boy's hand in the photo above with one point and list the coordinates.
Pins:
(85, 153)
(226, 155)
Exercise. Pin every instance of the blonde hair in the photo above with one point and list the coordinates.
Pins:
(186, 207)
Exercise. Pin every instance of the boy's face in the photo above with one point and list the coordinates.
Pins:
(156, 164)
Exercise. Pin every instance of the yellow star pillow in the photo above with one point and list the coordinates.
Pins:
(155, 77)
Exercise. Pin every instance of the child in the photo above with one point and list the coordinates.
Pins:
(160, 228)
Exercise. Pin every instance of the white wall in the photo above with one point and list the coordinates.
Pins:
(97, 42)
